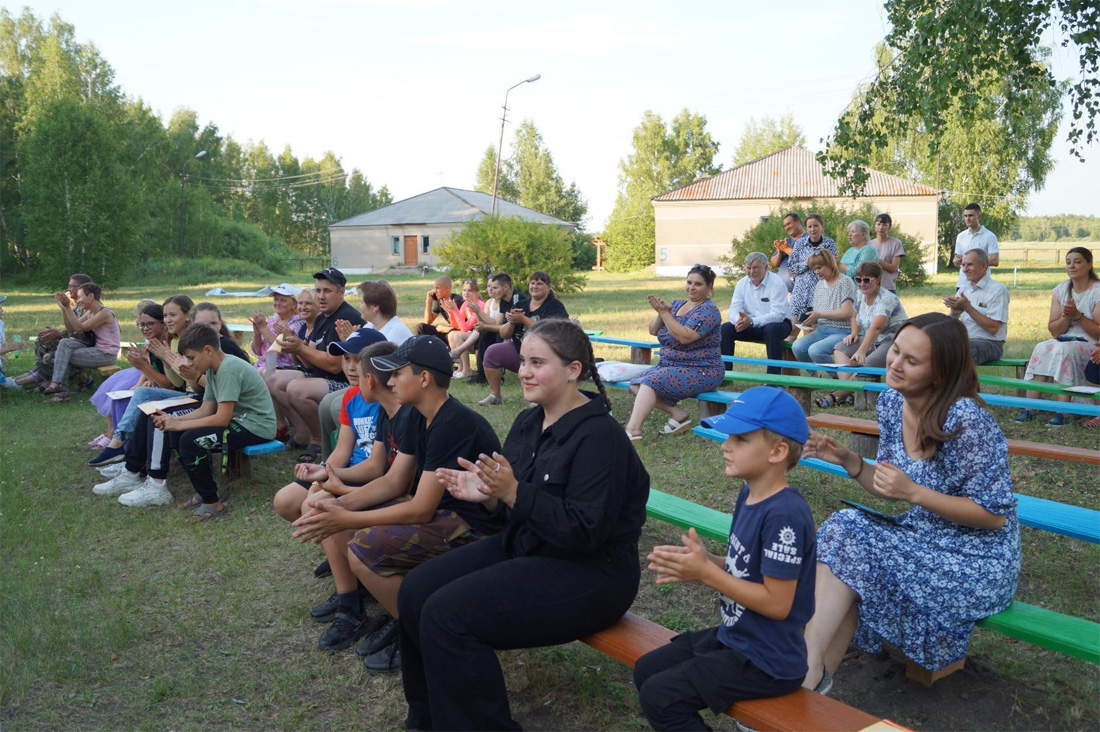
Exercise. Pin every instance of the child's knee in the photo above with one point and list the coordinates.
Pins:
(289, 501)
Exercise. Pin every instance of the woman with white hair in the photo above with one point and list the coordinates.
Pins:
(859, 248)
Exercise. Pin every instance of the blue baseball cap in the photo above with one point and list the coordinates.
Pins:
(762, 407)
(356, 342)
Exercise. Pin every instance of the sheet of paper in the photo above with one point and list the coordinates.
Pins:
(121, 394)
(1083, 389)
(153, 407)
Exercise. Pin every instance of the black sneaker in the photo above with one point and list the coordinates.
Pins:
(346, 628)
(323, 570)
(380, 637)
(385, 661)
(326, 611)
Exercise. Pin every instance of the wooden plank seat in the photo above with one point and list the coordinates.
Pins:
(239, 463)
(640, 351)
(106, 371)
(633, 636)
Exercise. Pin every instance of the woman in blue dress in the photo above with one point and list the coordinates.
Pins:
(691, 357)
(953, 558)
(805, 281)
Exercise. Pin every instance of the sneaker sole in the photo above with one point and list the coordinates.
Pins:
(163, 501)
(346, 643)
(107, 461)
(113, 491)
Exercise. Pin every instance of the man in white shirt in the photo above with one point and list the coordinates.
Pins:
(975, 236)
(758, 311)
(982, 306)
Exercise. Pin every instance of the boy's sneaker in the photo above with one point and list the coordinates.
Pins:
(326, 611)
(385, 661)
(345, 630)
(110, 471)
(107, 456)
(381, 636)
(1059, 420)
(124, 482)
(149, 494)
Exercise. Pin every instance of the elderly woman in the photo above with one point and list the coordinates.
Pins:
(98, 320)
(689, 331)
(804, 278)
(1074, 324)
(859, 248)
(878, 316)
(266, 330)
(921, 582)
(833, 306)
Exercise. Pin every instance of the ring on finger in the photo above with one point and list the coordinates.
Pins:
(497, 468)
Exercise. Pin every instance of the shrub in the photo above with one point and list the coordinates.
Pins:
(486, 246)
(760, 237)
(190, 272)
(584, 254)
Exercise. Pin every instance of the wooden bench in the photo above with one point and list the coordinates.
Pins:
(239, 463)
(106, 371)
(633, 636)
(640, 351)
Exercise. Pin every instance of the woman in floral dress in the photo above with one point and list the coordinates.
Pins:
(953, 558)
(691, 358)
(805, 281)
(1075, 327)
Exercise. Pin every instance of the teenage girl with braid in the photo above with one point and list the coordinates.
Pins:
(573, 493)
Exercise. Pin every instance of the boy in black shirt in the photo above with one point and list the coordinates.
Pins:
(393, 538)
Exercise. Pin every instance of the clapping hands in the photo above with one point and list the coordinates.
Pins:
(488, 478)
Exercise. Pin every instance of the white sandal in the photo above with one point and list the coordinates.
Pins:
(672, 427)
(491, 400)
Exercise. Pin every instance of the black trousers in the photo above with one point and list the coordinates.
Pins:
(696, 671)
(771, 335)
(483, 343)
(196, 448)
(148, 450)
(457, 609)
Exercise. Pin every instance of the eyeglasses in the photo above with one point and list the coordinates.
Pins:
(146, 324)
(864, 280)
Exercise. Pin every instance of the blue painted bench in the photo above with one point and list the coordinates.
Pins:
(239, 464)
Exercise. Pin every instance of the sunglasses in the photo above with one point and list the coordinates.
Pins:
(864, 280)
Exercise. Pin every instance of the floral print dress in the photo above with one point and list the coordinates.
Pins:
(805, 281)
(923, 584)
(1065, 361)
(685, 371)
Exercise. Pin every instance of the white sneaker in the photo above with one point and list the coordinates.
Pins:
(149, 494)
(110, 471)
(124, 482)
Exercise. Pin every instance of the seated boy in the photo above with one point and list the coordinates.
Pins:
(384, 543)
(236, 412)
(765, 581)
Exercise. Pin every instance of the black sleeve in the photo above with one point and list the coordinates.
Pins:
(459, 438)
(230, 348)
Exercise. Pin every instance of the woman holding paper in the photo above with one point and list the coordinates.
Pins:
(1074, 327)
(833, 306)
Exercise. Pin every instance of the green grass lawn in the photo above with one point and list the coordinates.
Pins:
(129, 618)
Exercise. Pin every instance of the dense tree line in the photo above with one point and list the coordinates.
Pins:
(1059, 228)
(90, 178)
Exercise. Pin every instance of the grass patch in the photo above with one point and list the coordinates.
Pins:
(121, 618)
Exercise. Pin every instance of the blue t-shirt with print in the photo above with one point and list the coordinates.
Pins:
(776, 538)
(362, 417)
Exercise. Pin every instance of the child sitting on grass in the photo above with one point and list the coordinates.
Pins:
(766, 579)
(6, 348)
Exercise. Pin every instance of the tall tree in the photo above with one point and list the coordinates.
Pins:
(486, 173)
(767, 136)
(664, 157)
(537, 180)
(950, 56)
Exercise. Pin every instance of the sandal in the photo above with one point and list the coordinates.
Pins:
(846, 400)
(826, 402)
(310, 455)
(1091, 423)
(633, 437)
(491, 400)
(52, 387)
(191, 503)
(59, 398)
(672, 427)
(207, 511)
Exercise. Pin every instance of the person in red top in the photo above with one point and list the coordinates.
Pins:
(463, 337)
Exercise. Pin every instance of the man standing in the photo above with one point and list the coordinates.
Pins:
(324, 373)
(758, 311)
(982, 306)
(792, 224)
(975, 236)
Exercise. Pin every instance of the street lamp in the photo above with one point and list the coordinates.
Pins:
(183, 182)
(503, 119)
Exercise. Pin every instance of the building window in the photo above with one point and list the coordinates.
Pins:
(396, 242)
(424, 243)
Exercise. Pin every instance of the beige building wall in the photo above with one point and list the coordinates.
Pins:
(698, 232)
(361, 249)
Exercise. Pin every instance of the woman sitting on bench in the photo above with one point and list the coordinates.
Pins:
(690, 333)
(918, 581)
(566, 564)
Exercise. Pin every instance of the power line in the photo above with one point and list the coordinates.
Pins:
(262, 180)
(245, 186)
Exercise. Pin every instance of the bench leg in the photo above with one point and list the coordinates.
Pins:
(865, 399)
(927, 678)
(238, 466)
(641, 355)
(709, 409)
(803, 396)
(865, 445)
(789, 356)
(1021, 372)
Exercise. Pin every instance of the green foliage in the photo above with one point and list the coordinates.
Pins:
(767, 136)
(957, 62)
(664, 157)
(1055, 228)
(486, 246)
(584, 254)
(760, 238)
(189, 272)
(486, 174)
(76, 196)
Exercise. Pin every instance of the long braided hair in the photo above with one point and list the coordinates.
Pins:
(569, 343)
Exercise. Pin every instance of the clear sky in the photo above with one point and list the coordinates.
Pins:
(409, 91)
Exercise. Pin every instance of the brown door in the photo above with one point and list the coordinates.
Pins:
(410, 251)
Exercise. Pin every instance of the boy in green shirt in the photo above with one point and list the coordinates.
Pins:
(236, 412)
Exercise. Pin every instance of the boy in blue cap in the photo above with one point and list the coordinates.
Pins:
(765, 580)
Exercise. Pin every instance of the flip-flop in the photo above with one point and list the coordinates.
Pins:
(672, 427)
(191, 503)
(59, 398)
(311, 454)
(206, 511)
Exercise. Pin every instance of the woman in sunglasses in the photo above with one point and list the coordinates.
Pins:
(877, 318)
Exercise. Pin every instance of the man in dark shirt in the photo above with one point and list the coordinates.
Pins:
(440, 301)
(392, 538)
(301, 397)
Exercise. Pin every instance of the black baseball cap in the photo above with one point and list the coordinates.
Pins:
(356, 342)
(426, 351)
(333, 275)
